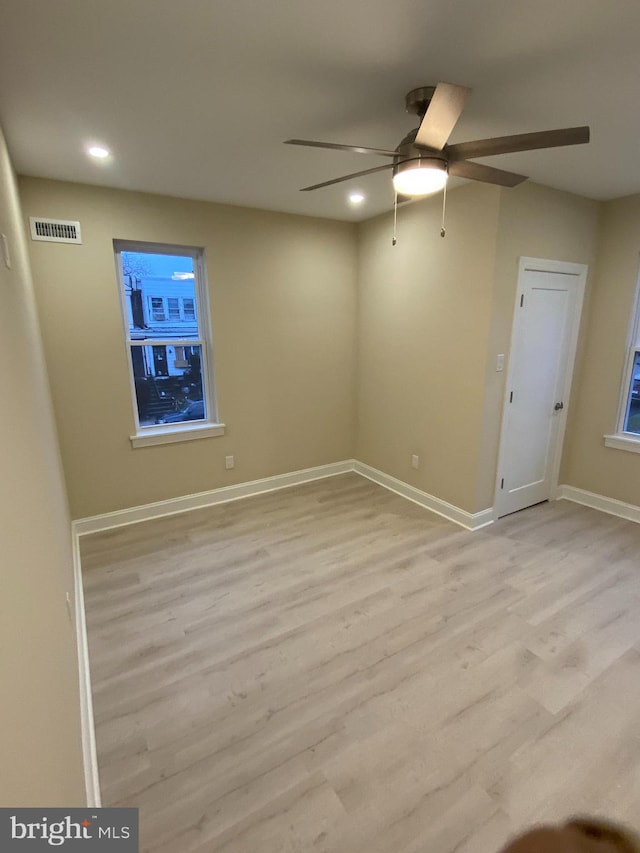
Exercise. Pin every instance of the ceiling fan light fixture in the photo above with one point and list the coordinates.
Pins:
(419, 176)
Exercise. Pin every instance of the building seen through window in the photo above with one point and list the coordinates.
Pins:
(165, 337)
(632, 415)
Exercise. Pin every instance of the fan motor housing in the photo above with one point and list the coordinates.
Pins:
(418, 100)
(408, 150)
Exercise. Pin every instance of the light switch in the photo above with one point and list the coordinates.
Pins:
(500, 363)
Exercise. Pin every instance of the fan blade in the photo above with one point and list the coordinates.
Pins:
(346, 178)
(442, 114)
(336, 146)
(519, 142)
(487, 174)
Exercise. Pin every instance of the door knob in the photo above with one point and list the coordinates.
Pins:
(558, 406)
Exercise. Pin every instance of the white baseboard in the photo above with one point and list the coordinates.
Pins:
(89, 752)
(630, 512)
(160, 509)
(471, 521)
(172, 506)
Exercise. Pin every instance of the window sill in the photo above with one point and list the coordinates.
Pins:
(185, 433)
(623, 441)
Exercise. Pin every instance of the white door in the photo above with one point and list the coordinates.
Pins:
(545, 331)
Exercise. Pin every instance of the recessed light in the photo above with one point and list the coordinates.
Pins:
(356, 198)
(98, 151)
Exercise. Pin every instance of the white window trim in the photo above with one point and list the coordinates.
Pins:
(621, 440)
(184, 432)
(146, 436)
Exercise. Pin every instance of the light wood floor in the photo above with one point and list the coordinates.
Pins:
(331, 668)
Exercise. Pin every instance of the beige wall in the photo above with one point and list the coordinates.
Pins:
(588, 464)
(283, 295)
(424, 319)
(40, 745)
(433, 316)
(535, 222)
(429, 318)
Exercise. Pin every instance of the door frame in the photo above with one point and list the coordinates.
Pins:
(579, 273)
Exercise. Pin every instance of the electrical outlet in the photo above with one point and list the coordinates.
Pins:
(229, 462)
(415, 461)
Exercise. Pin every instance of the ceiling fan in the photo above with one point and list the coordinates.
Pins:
(422, 161)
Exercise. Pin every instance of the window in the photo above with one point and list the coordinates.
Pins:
(628, 434)
(173, 303)
(189, 310)
(164, 304)
(632, 409)
(157, 309)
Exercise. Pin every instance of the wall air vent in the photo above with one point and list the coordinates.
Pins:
(55, 230)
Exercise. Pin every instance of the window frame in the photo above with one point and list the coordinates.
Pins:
(169, 433)
(621, 439)
(175, 309)
(155, 309)
(193, 310)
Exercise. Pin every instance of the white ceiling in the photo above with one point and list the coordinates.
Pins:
(194, 97)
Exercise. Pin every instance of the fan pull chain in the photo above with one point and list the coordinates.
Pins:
(443, 231)
(395, 218)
